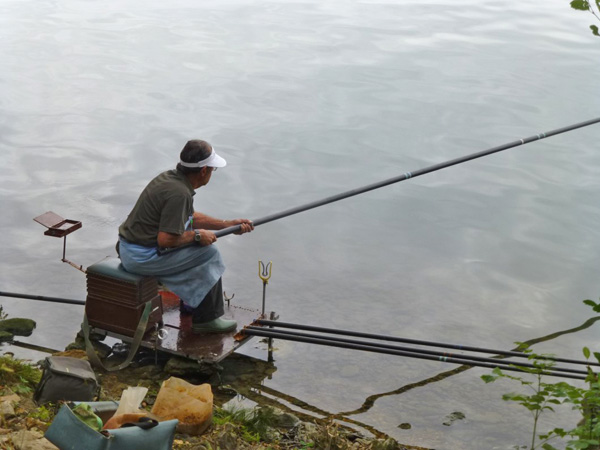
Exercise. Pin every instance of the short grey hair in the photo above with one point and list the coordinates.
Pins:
(194, 151)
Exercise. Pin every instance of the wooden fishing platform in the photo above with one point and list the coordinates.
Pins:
(176, 336)
(116, 300)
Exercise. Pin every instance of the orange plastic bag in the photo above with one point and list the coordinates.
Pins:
(129, 408)
(190, 404)
(117, 420)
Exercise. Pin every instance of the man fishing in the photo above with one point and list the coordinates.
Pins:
(164, 217)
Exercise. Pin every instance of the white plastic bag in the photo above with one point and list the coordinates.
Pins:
(131, 399)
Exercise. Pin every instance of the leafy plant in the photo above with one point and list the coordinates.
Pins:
(595, 306)
(18, 376)
(254, 423)
(539, 397)
(542, 397)
(585, 5)
(43, 413)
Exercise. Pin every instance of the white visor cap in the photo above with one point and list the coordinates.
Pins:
(213, 160)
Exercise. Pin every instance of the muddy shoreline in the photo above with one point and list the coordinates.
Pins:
(22, 422)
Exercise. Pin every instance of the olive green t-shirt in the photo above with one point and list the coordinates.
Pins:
(166, 204)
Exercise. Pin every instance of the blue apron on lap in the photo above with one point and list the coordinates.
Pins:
(189, 272)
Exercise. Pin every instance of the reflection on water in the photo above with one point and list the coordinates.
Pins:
(247, 375)
(306, 100)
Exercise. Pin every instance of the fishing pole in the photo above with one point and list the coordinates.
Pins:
(42, 298)
(499, 364)
(273, 323)
(442, 355)
(404, 176)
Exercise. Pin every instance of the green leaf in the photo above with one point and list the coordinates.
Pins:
(586, 352)
(489, 378)
(594, 29)
(590, 303)
(496, 371)
(578, 444)
(591, 376)
(597, 356)
(560, 432)
(582, 5)
(523, 347)
(548, 447)
(532, 407)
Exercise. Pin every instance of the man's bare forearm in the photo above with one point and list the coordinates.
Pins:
(208, 223)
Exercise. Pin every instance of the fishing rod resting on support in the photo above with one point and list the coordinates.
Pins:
(461, 359)
(402, 351)
(508, 353)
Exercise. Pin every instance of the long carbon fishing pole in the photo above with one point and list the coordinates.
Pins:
(311, 340)
(42, 298)
(274, 323)
(404, 176)
(441, 355)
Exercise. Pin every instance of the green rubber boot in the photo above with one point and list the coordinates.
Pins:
(217, 325)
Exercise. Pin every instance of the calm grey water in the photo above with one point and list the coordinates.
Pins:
(307, 99)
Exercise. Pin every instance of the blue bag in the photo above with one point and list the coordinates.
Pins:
(67, 432)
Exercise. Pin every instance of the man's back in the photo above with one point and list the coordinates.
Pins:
(165, 204)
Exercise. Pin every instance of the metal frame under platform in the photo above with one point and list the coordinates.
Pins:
(178, 338)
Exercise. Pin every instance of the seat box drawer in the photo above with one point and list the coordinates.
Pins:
(122, 291)
(118, 317)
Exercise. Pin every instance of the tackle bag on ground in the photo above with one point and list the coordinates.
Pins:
(66, 378)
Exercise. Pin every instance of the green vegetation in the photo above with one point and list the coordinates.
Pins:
(253, 424)
(585, 5)
(17, 376)
(18, 326)
(541, 397)
(44, 413)
(260, 428)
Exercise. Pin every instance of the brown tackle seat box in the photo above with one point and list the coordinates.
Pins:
(116, 298)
